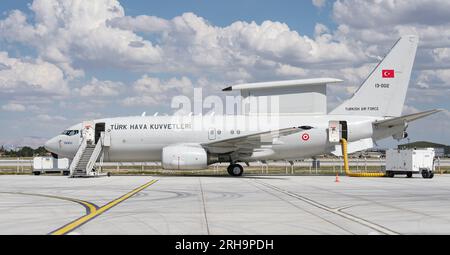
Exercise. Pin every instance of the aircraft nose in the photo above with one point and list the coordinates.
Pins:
(52, 145)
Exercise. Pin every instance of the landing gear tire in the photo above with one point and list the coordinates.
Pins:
(66, 173)
(235, 170)
(36, 173)
(409, 175)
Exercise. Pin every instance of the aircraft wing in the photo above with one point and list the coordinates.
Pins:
(245, 144)
(406, 118)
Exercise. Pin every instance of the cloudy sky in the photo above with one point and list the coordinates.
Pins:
(62, 62)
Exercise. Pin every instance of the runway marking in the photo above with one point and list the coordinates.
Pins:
(204, 207)
(337, 211)
(86, 204)
(301, 208)
(94, 212)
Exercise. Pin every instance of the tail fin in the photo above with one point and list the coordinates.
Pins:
(383, 92)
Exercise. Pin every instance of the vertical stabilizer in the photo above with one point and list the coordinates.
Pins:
(383, 92)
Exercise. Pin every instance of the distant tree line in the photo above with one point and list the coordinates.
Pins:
(24, 152)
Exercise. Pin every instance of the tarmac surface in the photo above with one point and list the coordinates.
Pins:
(224, 205)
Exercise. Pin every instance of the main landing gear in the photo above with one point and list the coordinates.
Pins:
(235, 170)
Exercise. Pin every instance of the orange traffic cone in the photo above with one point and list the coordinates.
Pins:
(337, 177)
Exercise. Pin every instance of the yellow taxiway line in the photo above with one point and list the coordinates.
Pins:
(94, 211)
(88, 205)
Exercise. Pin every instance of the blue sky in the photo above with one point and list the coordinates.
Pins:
(61, 63)
(300, 15)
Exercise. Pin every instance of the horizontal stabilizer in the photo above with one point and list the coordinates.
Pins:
(405, 119)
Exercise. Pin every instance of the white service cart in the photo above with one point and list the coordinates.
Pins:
(43, 165)
(409, 162)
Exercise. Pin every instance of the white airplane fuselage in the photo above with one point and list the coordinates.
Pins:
(192, 142)
(141, 139)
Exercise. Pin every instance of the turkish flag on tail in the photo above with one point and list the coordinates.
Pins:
(388, 73)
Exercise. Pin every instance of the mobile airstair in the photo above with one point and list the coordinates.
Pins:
(89, 152)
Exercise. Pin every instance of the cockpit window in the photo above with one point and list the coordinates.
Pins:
(70, 132)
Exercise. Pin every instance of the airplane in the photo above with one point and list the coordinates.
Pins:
(302, 128)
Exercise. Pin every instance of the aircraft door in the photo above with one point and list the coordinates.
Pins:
(212, 134)
(88, 131)
(333, 131)
(99, 128)
(344, 130)
(337, 130)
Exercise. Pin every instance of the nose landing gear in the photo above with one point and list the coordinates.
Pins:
(235, 170)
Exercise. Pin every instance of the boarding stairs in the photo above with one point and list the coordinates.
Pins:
(83, 164)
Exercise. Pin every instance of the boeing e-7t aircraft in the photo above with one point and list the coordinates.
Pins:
(301, 128)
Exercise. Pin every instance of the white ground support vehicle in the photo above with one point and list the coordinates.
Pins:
(50, 165)
(409, 162)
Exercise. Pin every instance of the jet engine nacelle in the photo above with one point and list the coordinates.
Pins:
(184, 157)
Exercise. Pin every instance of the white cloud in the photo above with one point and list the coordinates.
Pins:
(150, 85)
(66, 32)
(288, 70)
(362, 13)
(190, 44)
(409, 109)
(271, 50)
(441, 54)
(381, 20)
(152, 91)
(98, 88)
(142, 23)
(73, 35)
(438, 79)
(14, 107)
(28, 76)
(49, 118)
(140, 101)
(319, 3)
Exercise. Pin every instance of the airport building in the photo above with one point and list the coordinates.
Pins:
(441, 150)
